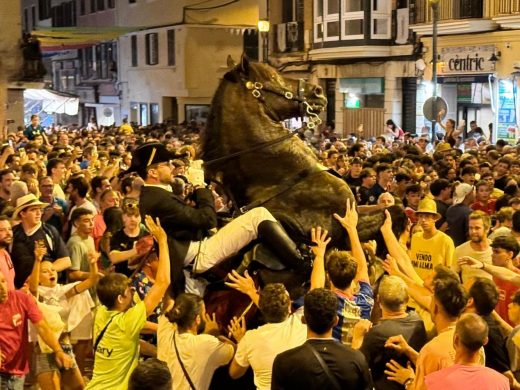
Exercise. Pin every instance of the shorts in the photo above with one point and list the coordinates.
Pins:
(46, 362)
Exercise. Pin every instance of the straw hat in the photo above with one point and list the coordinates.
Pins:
(428, 206)
(25, 201)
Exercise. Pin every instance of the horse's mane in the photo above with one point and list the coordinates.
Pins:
(210, 145)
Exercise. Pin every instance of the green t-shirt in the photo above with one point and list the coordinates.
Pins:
(118, 351)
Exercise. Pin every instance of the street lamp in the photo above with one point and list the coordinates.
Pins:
(435, 20)
(263, 27)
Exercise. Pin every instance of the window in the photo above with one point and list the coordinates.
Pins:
(92, 6)
(353, 26)
(132, 1)
(326, 20)
(154, 113)
(133, 44)
(381, 15)
(152, 48)
(171, 47)
(26, 20)
(82, 7)
(44, 9)
(100, 5)
(111, 3)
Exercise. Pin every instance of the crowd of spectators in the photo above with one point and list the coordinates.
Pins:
(89, 248)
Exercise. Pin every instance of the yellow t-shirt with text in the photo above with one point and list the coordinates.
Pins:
(117, 353)
(426, 254)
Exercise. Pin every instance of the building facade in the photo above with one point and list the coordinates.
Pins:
(478, 62)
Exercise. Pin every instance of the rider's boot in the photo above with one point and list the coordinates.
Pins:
(276, 239)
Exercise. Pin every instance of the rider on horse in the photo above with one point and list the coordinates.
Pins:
(192, 249)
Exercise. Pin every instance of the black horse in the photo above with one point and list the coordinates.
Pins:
(246, 147)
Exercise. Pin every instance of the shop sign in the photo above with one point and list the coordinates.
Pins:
(467, 59)
(507, 128)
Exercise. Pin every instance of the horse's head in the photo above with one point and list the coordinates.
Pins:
(282, 97)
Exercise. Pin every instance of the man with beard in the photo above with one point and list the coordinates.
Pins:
(6, 180)
(478, 247)
(190, 349)
(6, 264)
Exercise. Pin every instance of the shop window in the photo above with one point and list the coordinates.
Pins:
(152, 48)
(365, 92)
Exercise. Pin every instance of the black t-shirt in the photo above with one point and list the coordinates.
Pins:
(497, 356)
(121, 242)
(22, 251)
(412, 329)
(375, 191)
(364, 196)
(441, 209)
(298, 368)
(353, 182)
(501, 183)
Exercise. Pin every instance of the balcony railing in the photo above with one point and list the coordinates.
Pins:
(448, 10)
(293, 37)
(503, 7)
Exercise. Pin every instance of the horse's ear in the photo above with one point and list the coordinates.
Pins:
(231, 62)
(244, 64)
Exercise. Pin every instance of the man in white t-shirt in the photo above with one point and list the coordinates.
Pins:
(200, 354)
(258, 347)
(478, 247)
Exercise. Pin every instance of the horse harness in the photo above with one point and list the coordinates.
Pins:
(257, 87)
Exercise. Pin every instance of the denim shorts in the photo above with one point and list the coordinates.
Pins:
(46, 362)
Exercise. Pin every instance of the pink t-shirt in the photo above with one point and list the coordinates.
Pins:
(7, 268)
(14, 313)
(462, 377)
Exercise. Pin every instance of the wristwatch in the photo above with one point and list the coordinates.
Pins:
(408, 382)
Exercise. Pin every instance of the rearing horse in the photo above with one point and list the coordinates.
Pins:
(257, 160)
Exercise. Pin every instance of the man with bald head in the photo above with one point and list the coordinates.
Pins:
(471, 334)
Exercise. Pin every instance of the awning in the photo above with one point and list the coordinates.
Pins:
(63, 38)
(53, 101)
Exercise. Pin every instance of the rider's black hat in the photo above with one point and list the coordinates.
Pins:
(149, 154)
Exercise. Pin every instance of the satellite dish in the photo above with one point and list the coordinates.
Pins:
(432, 107)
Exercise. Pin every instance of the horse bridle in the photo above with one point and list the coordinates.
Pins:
(305, 108)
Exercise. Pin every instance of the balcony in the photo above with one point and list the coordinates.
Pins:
(289, 37)
(455, 16)
(505, 13)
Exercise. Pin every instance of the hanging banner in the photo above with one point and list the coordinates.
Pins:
(507, 128)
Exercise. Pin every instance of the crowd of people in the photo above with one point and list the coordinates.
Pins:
(107, 236)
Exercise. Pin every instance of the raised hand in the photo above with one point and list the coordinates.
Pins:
(390, 266)
(387, 224)
(155, 228)
(237, 328)
(40, 250)
(245, 284)
(319, 237)
(211, 324)
(350, 220)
